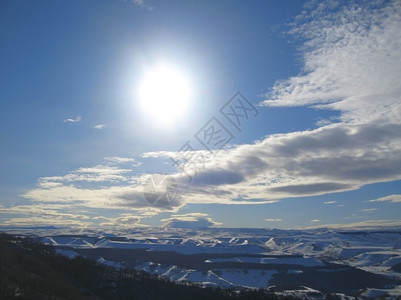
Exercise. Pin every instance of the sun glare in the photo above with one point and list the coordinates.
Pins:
(164, 94)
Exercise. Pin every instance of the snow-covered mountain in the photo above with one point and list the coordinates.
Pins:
(366, 263)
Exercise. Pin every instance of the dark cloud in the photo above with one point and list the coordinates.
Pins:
(218, 177)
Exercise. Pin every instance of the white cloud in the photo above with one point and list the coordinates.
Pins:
(120, 160)
(390, 198)
(330, 202)
(179, 156)
(103, 187)
(352, 64)
(315, 221)
(99, 173)
(42, 210)
(368, 210)
(273, 220)
(100, 126)
(124, 220)
(70, 120)
(100, 197)
(44, 221)
(40, 215)
(191, 220)
(370, 224)
(334, 158)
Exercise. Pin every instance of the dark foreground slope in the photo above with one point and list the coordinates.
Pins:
(31, 270)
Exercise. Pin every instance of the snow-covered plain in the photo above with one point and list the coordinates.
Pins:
(365, 263)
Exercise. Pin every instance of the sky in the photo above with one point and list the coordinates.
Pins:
(191, 114)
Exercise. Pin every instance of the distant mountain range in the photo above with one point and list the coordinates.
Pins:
(297, 263)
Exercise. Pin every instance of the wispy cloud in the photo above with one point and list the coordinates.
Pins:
(70, 120)
(100, 126)
(329, 202)
(101, 186)
(99, 173)
(374, 224)
(369, 210)
(273, 220)
(120, 160)
(140, 3)
(390, 198)
(315, 221)
(44, 221)
(43, 215)
(53, 211)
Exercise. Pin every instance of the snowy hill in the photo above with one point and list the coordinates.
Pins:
(309, 262)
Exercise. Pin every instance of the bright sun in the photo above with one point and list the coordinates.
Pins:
(164, 93)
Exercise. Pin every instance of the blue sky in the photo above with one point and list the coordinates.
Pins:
(312, 139)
